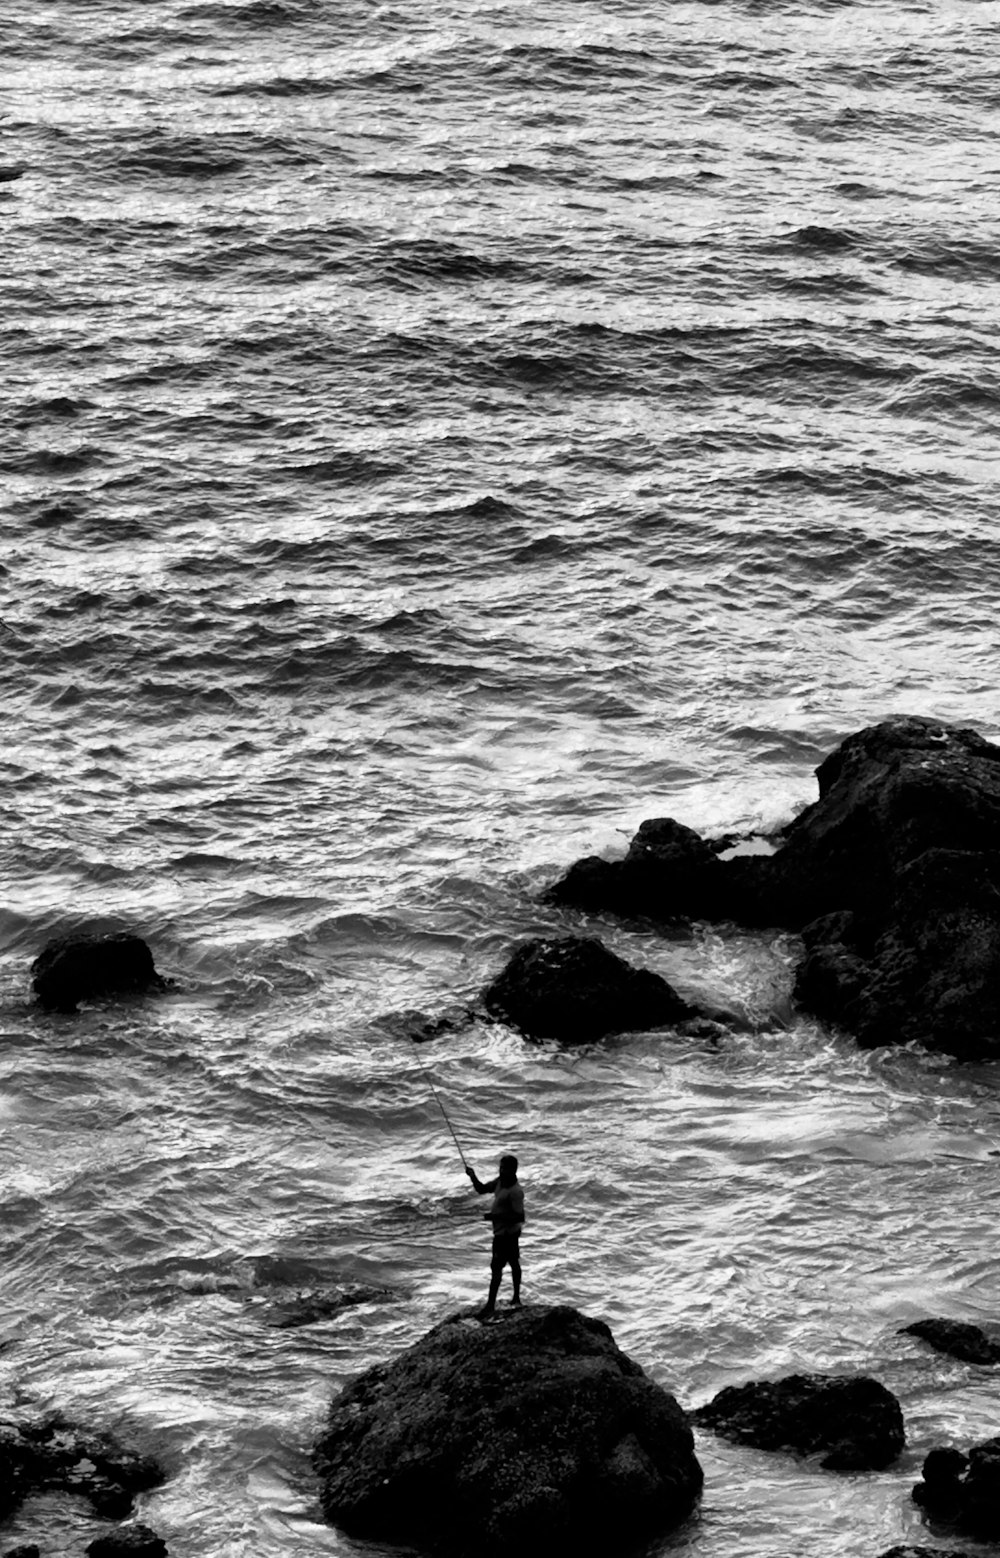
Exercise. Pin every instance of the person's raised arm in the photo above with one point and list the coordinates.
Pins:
(478, 1185)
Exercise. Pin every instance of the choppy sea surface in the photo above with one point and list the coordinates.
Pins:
(437, 438)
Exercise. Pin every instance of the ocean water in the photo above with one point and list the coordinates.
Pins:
(437, 438)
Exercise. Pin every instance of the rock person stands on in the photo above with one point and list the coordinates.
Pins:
(507, 1216)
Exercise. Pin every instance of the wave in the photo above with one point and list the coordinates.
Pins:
(958, 254)
(535, 65)
(156, 154)
(252, 15)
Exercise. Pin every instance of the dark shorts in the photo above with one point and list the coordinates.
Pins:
(506, 1251)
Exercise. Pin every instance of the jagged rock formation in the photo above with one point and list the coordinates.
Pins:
(54, 1453)
(892, 876)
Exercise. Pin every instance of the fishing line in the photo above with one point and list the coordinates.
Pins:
(437, 1095)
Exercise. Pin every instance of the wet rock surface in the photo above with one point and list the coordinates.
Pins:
(958, 1338)
(53, 1453)
(318, 1305)
(532, 1434)
(575, 989)
(963, 1491)
(853, 1421)
(137, 1541)
(892, 876)
(669, 873)
(80, 968)
(922, 1552)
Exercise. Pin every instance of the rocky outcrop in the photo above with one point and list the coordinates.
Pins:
(575, 989)
(963, 1490)
(80, 968)
(892, 876)
(669, 873)
(958, 1338)
(927, 971)
(854, 1422)
(54, 1453)
(533, 1434)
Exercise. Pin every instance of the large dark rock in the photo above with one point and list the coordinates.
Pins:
(958, 1338)
(531, 1435)
(892, 876)
(78, 968)
(573, 988)
(855, 1422)
(669, 873)
(887, 795)
(963, 1490)
(53, 1453)
(906, 1551)
(136, 1541)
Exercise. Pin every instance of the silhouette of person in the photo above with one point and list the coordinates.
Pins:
(507, 1216)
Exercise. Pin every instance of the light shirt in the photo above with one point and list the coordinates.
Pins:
(507, 1212)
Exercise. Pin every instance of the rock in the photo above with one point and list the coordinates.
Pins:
(855, 1422)
(941, 1491)
(26, 1550)
(533, 1435)
(576, 990)
(136, 1541)
(54, 1453)
(79, 968)
(832, 976)
(307, 1308)
(15, 1483)
(892, 876)
(963, 1490)
(933, 975)
(922, 1552)
(669, 873)
(958, 1338)
(980, 1509)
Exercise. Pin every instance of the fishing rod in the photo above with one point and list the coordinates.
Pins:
(444, 1112)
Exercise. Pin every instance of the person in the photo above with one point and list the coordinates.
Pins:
(507, 1216)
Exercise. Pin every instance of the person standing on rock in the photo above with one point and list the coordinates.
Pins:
(507, 1216)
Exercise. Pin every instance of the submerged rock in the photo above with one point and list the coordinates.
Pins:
(958, 1338)
(309, 1308)
(533, 1435)
(54, 1453)
(574, 989)
(855, 1422)
(78, 968)
(892, 876)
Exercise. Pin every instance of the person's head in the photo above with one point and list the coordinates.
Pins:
(508, 1169)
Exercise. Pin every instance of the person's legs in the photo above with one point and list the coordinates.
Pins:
(515, 1274)
(497, 1264)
